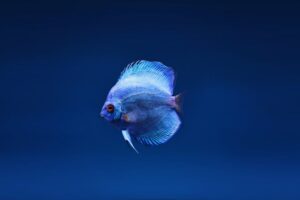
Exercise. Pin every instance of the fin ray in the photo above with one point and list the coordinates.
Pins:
(161, 129)
(127, 138)
(150, 72)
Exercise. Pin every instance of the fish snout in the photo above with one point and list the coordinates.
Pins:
(101, 114)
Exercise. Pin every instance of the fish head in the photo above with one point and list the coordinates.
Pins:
(111, 111)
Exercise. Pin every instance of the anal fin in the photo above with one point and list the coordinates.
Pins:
(127, 138)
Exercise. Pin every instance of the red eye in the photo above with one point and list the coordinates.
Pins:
(110, 108)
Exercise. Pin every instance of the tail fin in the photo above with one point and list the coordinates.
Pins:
(178, 103)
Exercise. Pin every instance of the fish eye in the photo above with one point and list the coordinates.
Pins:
(110, 108)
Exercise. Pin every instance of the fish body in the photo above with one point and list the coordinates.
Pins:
(142, 104)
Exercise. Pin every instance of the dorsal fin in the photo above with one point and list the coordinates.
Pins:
(150, 72)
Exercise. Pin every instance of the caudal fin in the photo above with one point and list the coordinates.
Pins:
(178, 103)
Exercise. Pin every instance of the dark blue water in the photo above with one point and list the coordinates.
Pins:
(237, 64)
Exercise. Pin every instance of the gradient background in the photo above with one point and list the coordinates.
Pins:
(237, 63)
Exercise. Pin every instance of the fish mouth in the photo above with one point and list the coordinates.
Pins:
(101, 114)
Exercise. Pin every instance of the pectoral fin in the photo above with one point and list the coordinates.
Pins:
(132, 117)
(127, 138)
(125, 117)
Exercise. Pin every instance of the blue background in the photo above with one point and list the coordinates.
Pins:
(237, 64)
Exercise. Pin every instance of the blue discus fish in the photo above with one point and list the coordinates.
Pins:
(142, 104)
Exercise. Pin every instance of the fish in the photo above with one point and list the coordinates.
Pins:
(142, 105)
